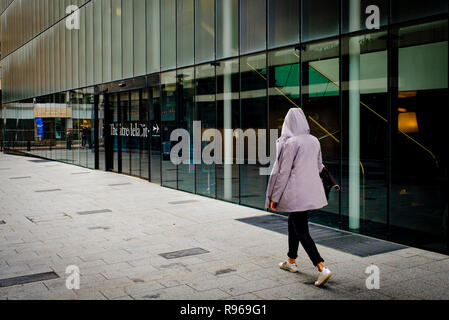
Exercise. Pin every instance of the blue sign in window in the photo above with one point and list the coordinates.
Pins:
(40, 127)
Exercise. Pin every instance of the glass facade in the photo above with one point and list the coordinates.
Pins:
(371, 76)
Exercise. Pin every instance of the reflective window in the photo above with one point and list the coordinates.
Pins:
(204, 30)
(168, 124)
(227, 20)
(206, 113)
(419, 155)
(253, 33)
(283, 22)
(320, 19)
(283, 86)
(320, 102)
(116, 46)
(153, 36)
(402, 10)
(186, 89)
(185, 35)
(365, 93)
(140, 38)
(228, 118)
(156, 131)
(168, 34)
(253, 100)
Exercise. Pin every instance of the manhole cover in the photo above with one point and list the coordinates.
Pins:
(48, 190)
(19, 178)
(28, 279)
(119, 184)
(183, 202)
(85, 213)
(183, 253)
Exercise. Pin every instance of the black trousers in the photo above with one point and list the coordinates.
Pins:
(298, 231)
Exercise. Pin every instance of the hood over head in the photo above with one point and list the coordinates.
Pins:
(295, 124)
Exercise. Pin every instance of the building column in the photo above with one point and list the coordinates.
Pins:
(228, 132)
(354, 118)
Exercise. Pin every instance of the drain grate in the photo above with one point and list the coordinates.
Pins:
(28, 279)
(119, 184)
(343, 241)
(4, 169)
(77, 173)
(183, 253)
(48, 190)
(19, 178)
(183, 202)
(85, 213)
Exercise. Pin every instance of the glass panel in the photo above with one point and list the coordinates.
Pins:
(253, 26)
(228, 118)
(98, 51)
(101, 133)
(117, 42)
(127, 38)
(185, 35)
(168, 124)
(63, 116)
(363, 14)
(90, 127)
(145, 140)
(365, 94)
(89, 43)
(115, 139)
(319, 19)
(106, 40)
(227, 19)
(204, 30)
(140, 56)
(168, 34)
(155, 127)
(321, 104)
(206, 113)
(284, 86)
(283, 22)
(419, 153)
(402, 10)
(153, 36)
(134, 137)
(253, 101)
(186, 87)
(126, 139)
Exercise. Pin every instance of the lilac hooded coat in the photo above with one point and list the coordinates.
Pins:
(295, 182)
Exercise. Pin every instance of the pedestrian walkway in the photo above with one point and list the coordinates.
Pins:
(132, 239)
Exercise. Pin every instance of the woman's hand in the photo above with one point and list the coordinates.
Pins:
(273, 206)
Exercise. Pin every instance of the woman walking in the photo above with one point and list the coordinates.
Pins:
(295, 187)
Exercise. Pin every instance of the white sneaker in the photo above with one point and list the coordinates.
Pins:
(288, 267)
(323, 277)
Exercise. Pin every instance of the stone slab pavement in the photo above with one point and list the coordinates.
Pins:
(117, 246)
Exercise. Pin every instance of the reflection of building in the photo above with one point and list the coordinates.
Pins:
(377, 99)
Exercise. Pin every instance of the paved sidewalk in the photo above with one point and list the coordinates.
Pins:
(118, 250)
